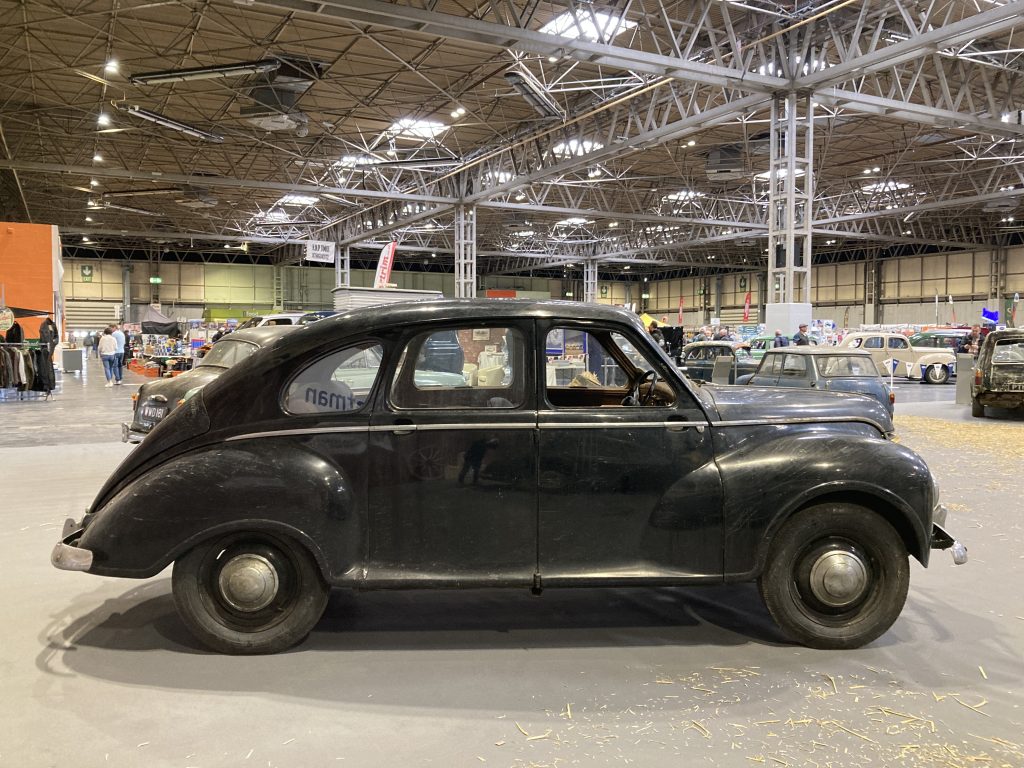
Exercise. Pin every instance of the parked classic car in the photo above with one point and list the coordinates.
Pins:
(940, 338)
(825, 368)
(999, 372)
(155, 399)
(317, 315)
(697, 361)
(933, 366)
(277, 318)
(275, 482)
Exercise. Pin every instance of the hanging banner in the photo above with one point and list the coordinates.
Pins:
(746, 308)
(387, 260)
(680, 311)
(321, 251)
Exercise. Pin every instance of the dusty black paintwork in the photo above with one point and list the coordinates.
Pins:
(683, 493)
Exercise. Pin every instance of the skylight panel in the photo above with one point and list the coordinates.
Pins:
(418, 129)
(575, 147)
(298, 200)
(593, 26)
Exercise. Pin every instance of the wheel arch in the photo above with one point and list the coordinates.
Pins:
(889, 509)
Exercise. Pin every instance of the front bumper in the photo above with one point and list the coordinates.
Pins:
(941, 539)
(66, 556)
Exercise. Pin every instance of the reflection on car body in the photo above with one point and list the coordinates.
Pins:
(567, 451)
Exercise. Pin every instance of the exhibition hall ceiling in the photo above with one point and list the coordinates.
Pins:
(634, 133)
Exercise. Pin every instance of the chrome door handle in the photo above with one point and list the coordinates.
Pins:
(403, 427)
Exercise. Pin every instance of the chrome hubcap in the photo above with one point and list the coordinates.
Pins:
(838, 578)
(248, 582)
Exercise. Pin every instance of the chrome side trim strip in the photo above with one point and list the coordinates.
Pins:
(290, 432)
(620, 424)
(798, 420)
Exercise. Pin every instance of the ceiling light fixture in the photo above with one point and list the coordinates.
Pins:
(111, 67)
(167, 122)
(262, 67)
(93, 183)
(691, 143)
(129, 209)
(595, 26)
(533, 91)
(97, 158)
(103, 120)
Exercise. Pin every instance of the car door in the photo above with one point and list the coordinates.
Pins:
(767, 374)
(898, 350)
(628, 491)
(452, 477)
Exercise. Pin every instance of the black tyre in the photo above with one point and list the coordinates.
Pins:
(977, 409)
(249, 593)
(836, 577)
(936, 374)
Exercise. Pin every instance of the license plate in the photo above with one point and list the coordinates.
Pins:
(152, 413)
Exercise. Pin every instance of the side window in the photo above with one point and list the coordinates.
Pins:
(795, 367)
(772, 365)
(897, 342)
(462, 368)
(874, 342)
(583, 370)
(338, 383)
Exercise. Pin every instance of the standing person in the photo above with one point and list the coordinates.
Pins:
(780, 340)
(656, 334)
(107, 349)
(800, 337)
(88, 342)
(971, 344)
(118, 335)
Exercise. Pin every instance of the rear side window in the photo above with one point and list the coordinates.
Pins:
(462, 368)
(874, 342)
(896, 342)
(772, 365)
(338, 383)
(795, 367)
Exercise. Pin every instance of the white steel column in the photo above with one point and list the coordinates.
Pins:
(791, 190)
(590, 281)
(343, 269)
(465, 251)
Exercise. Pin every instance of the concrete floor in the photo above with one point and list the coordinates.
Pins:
(101, 672)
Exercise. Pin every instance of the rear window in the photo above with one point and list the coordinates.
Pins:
(228, 352)
(833, 366)
(1008, 352)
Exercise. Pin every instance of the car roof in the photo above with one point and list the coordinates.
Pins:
(260, 336)
(819, 351)
(718, 343)
(1006, 333)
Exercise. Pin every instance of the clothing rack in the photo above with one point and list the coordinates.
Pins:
(13, 393)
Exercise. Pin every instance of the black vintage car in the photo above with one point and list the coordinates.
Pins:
(290, 475)
(156, 399)
(999, 372)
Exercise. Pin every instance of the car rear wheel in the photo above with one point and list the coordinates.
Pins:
(936, 374)
(977, 409)
(837, 576)
(249, 593)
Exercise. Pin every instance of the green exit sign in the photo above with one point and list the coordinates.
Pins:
(156, 280)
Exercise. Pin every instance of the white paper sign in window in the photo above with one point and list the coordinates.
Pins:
(338, 383)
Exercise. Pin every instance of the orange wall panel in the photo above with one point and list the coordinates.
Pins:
(26, 265)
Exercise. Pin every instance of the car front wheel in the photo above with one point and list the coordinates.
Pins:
(248, 593)
(936, 374)
(836, 577)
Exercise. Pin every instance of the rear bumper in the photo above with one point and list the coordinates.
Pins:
(65, 555)
(130, 434)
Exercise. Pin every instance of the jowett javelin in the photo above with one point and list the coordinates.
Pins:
(286, 477)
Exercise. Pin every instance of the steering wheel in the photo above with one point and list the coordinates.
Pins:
(634, 394)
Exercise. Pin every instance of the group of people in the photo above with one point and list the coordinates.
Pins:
(109, 346)
(800, 338)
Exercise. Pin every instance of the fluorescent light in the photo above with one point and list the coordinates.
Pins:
(352, 161)
(498, 177)
(129, 209)
(262, 67)
(111, 67)
(103, 120)
(93, 183)
(88, 218)
(168, 122)
(533, 91)
(417, 129)
(97, 158)
(595, 26)
(575, 147)
(575, 221)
